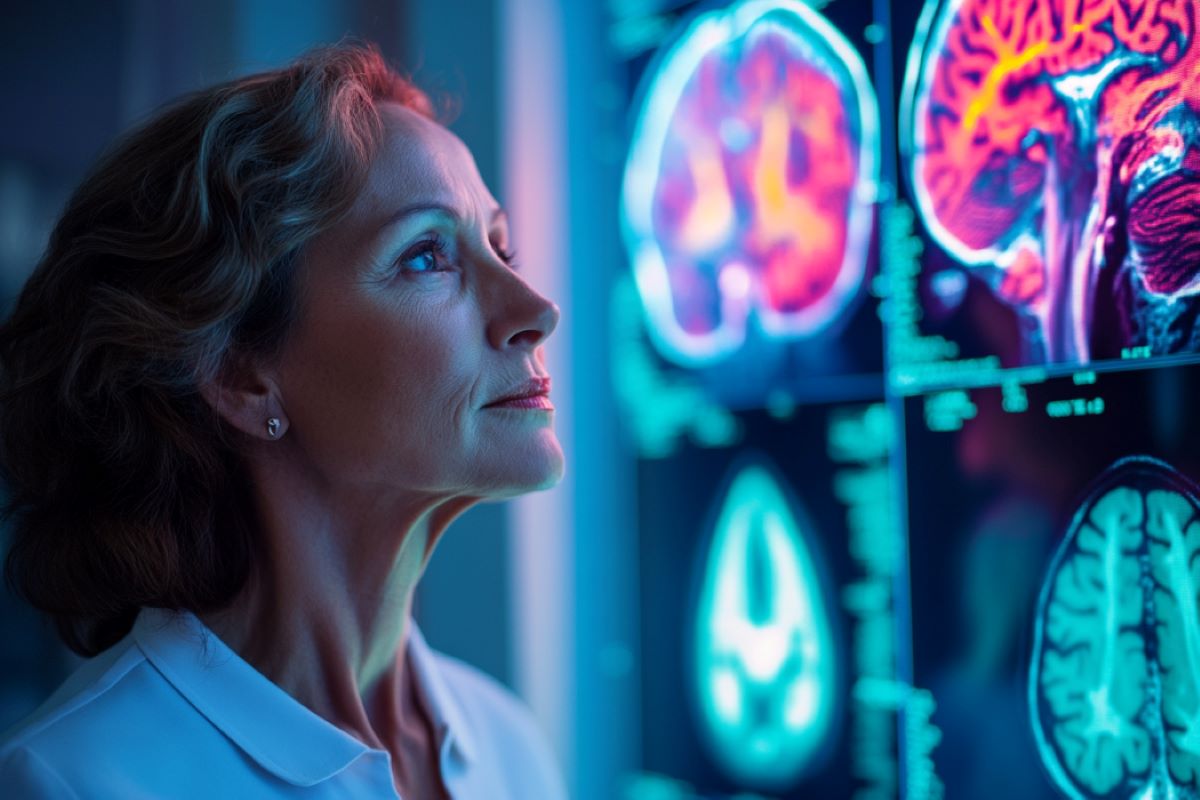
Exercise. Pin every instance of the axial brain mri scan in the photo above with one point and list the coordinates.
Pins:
(766, 666)
(1114, 685)
(749, 190)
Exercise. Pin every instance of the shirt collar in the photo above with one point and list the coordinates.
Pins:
(442, 706)
(252, 711)
(241, 702)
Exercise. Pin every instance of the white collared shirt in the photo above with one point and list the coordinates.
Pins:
(171, 712)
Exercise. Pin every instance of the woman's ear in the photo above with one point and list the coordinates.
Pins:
(248, 399)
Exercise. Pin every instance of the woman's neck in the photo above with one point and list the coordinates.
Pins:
(326, 613)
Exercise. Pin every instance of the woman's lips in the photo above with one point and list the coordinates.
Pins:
(531, 387)
(538, 402)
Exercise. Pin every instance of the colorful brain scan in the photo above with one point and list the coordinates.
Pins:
(1114, 684)
(764, 651)
(1053, 145)
(750, 181)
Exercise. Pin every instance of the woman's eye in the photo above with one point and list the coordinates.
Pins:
(509, 257)
(425, 256)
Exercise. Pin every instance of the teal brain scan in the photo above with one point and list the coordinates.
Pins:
(764, 651)
(1114, 684)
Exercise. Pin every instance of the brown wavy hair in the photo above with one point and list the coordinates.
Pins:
(176, 255)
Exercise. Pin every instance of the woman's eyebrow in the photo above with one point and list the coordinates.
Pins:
(498, 214)
(416, 208)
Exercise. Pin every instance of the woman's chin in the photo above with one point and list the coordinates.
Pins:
(555, 475)
(548, 476)
(534, 472)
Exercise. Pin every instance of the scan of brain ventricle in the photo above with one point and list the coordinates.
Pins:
(750, 183)
(1037, 132)
(1114, 683)
(765, 664)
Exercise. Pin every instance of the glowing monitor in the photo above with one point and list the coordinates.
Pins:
(765, 659)
(1054, 153)
(1114, 686)
(750, 180)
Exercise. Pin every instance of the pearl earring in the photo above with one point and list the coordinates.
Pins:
(273, 427)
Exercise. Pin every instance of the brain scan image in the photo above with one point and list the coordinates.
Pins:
(750, 182)
(764, 651)
(1053, 150)
(1114, 682)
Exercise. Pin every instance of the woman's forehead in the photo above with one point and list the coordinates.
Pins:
(420, 161)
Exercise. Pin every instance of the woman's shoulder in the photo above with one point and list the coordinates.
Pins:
(485, 692)
(112, 707)
(92, 691)
(495, 719)
(118, 721)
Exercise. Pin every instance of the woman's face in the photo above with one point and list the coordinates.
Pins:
(411, 322)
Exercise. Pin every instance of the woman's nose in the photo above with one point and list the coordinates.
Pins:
(537, 331)
(525, 317)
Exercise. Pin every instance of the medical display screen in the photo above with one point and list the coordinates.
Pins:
(1054, 541)
(768, 640)
(906, 345)
(749, 204)
(1047, 191)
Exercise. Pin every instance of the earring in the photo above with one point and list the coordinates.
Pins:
(273, 427)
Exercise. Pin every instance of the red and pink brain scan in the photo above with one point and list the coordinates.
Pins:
(1053, 151)
(750, 183)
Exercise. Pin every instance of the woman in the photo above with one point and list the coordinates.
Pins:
(277, 343)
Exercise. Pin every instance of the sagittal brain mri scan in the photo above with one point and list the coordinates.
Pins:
(1053, 152)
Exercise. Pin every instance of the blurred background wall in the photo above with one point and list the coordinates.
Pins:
(529, 591)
